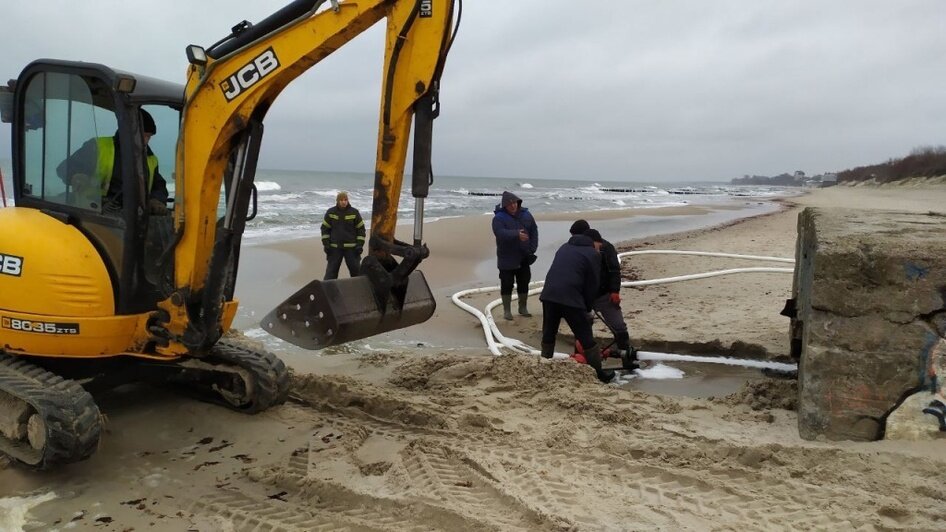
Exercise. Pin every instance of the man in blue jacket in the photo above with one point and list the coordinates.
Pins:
(517, 238)
(571, 287)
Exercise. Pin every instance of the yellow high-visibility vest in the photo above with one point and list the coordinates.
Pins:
(106, 163)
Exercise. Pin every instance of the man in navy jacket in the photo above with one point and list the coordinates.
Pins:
(608, 300)
(571, 287)
(517, 238)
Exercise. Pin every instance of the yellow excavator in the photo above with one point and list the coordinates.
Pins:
(99, 286)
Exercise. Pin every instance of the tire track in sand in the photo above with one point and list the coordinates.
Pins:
(516, 484)
(651, 494)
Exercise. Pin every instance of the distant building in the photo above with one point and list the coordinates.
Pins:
(829, 180)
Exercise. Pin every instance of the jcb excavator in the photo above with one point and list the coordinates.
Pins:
(102, 288)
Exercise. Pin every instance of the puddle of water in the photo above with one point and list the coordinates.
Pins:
(699, 380)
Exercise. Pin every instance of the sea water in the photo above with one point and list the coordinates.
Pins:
(291, 203)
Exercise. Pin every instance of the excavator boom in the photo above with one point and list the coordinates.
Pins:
(230, 87)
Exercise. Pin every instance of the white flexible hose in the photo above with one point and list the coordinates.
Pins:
(485, 321)
(704, 254)
(493, 334)
(704, 275)
(511, 343)
(758, 364)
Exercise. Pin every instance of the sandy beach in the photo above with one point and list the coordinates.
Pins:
(425, 430)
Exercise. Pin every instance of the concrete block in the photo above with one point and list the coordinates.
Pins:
(870, 290)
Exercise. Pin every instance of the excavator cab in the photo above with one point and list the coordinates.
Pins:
(83, 161)
(87, 258)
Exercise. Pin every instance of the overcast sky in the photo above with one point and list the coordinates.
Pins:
(600, 90)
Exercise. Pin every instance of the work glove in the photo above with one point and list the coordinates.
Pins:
(359, 250)
(325, 249)
(616, 298)
(156, 206)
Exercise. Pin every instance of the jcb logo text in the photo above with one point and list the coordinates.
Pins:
(250, 74)
(11, 265)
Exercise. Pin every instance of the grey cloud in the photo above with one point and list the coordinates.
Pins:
(630, 90)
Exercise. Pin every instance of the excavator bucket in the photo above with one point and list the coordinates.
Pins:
(326, 313)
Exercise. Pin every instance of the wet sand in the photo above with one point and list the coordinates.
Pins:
(448, 437)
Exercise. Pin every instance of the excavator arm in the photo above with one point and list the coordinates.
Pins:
(230, 87)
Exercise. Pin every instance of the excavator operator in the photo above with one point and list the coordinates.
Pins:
(96, 177)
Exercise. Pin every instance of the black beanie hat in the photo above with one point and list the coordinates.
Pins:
(579, 227)
(594, 235)
(147, 123)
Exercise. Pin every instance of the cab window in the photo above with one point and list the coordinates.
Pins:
(65, 115)
(164, 142)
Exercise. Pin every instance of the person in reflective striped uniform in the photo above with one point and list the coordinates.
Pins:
(343, 237)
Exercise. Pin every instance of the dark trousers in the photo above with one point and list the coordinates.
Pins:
(520, 276)
(611, 314)
(334, 262)
(576, 318)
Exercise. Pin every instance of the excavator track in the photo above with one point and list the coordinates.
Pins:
(45, 420)
(236, 375)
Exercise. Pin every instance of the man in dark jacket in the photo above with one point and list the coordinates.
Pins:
(570, 289)
(608, 298)
(517, 238)
(343, 237)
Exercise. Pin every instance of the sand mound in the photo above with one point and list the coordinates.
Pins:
(514, 371)
(766, 394)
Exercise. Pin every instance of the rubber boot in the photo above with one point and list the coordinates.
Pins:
(548, 350)
(593, 356)
(628, 354)
(507, 306)
(623, 341)
(523, 309)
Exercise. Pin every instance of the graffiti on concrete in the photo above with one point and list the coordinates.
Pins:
(915, 272)
(937, 376)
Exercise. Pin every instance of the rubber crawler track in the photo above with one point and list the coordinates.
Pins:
(72, 419)
(269, 372)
